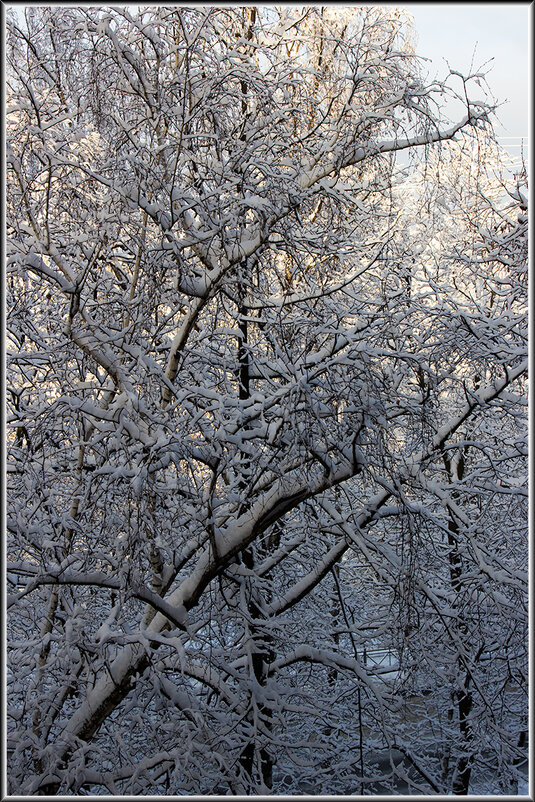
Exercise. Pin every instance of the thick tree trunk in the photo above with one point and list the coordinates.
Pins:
(255, 758)
(463, 769)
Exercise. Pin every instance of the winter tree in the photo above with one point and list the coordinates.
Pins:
(266, 409)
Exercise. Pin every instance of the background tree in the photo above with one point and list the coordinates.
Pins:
(255, 428)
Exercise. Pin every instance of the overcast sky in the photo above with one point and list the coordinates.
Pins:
(497, 33)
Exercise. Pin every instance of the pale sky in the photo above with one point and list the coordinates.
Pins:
(498, 33)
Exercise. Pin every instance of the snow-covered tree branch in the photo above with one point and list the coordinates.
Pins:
(266, 409)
